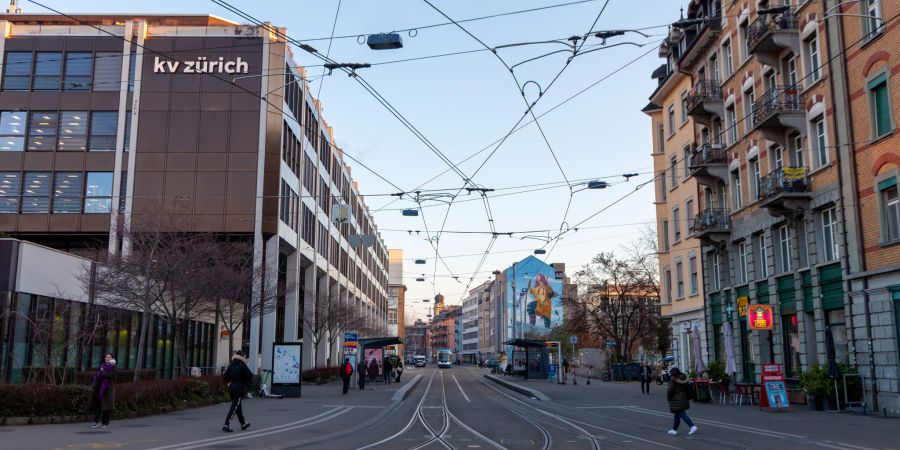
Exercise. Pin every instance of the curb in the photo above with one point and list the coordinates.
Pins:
(519, 388)
(403, 392)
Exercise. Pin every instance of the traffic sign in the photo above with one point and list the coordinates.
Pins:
(573, 339)
(610, 344)
(351, 342)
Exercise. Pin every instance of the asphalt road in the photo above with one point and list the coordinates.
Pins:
(459, 408)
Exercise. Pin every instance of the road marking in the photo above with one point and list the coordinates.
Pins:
(605, 407)
(327, 415)
(730, 426)
(353, 406)
(460, 388)
(845, 445)
(411, 420)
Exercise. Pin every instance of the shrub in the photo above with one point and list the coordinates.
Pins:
(716, 371)
(816, 382)
(321, 375)
(122, 375)
(132, 399)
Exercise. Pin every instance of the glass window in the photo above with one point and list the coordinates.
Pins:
(104, 125)
(731, 117)
(671, 119)
(695, 282)
(47, 68)
(107, 71)
(716, 272)
(784, 237)
(872, 19)
(665, 235)
(737, 201)
(836, 321)
(17, 71)
(679, 280)
(798, 150)
(12, 131)
(67, 192)
(10, 189)
(742, 262)
(763, 254)
(727, 55)
(123, 191)
(36, 192)
(674, 173)
(676, 224)
(689, 213)
(754, 178)
(73, 130)
(891, 213)
(127, 142)
(812, 55)
(829, 235)
(880, 104)
(42, 131)
(98, 192)
(821, 141)
(78, 71)
(777, 157)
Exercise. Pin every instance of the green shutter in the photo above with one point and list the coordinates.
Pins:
(895, 294)
(715, 308)
(888, 183)
(787, 295)
(882, 109)
(832, 287)
(808, 305)
(762, 293)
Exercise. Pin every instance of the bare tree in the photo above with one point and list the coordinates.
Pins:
(617, 302)
(327, 319)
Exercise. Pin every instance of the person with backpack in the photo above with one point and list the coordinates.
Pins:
(346, 373)
(362, 369)
(399, 370)
(239, 377)
(679, 396)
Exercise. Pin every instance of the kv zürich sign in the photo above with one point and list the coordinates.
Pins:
(200, 65)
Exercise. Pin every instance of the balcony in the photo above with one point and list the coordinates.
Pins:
(704, 101)
(785, 191)
(712, 226)
(709, 165)
(778, 110)
(771, 33)
(701, 36)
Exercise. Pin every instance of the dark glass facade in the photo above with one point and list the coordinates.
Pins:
(76, 335)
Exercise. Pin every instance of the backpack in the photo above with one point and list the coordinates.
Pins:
(348, 369)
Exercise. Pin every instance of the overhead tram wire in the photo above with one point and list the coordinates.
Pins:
(522, 126)
(847, 47)
(472, 19)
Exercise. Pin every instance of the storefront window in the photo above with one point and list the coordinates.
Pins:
(719, 340)
(21, 330)
(791, 340)
(834, 319)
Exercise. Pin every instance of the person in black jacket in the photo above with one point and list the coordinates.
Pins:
(239, 377)
(362, 370)
(646, 375)
(679, 398)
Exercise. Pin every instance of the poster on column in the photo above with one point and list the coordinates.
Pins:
(378, 355)
(286, 368)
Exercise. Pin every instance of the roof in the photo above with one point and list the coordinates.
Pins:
(380, 342)
(197, 20)
(526, 343)
(651, 107)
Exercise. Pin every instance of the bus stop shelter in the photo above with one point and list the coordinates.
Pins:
(536, 356)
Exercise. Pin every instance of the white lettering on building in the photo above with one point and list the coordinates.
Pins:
(201, 65)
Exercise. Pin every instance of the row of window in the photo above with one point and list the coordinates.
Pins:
(694, 279)
(63, 130)
(68, 71)
(56, 192)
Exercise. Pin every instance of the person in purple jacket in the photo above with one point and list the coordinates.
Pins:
(103, 392)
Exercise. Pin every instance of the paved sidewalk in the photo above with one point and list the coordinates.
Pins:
(624, 401)
(306, 417)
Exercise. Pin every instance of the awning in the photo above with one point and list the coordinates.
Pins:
(526, 343)
(379, 342)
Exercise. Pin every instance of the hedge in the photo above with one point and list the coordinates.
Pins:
(132, 399)
(321, 375)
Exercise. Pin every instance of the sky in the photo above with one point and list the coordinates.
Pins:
(463, 103)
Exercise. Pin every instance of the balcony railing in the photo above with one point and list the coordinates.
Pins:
(784, 180)
(707, 154)
(769, 23)
(703, 91)
(776, 100)
(712, 220)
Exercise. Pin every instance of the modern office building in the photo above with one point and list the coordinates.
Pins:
(396, 312)
(110, 122)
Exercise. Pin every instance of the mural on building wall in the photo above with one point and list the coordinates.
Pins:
(536, 303)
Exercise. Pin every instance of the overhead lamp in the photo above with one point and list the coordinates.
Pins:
(420, 261)
(411, 212)
(384, 41)
(540, 251)
(426, 301)
(420, 279)
(597, 184)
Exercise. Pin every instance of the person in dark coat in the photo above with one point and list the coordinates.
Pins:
(362, 369)
(565, 373)
(679, 400)
(346, 373)
(103, 392)
(399, 370)
(646, 375)
(373, 370)
(239, 377)
(387, 370)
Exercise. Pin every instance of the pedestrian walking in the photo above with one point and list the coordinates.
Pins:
(679, 400)
(346, 373)
(362, 370)
(373, 370)
(399, 370)
(387, 370)
(646, 375)
(103, 392)
(239, 377)
(565, 369)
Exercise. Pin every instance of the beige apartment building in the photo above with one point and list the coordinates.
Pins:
(677, 203)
